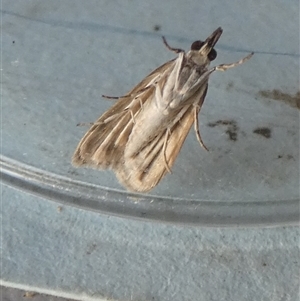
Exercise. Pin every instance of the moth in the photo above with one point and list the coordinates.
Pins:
(140, 136)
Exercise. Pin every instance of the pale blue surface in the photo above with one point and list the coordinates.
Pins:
(59, 57)
(78, 251)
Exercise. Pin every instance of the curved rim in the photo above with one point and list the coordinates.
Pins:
(88, 196)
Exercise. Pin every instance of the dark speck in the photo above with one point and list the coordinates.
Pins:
(264, 131)
(232, 128)
(232, 134)
(156, 27)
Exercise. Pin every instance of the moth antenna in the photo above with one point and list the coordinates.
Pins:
(125, 96)
(112, 97)
(176, 50)
(164, 150)
(196, 127)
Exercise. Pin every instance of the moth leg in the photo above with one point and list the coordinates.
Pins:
(176, 50)
(196, 127)
(110, 118)
(224, 67)
(141, 104)
(164, 150)
(132, 116)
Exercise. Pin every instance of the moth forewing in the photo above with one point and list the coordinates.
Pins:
(144, 171)
(141, 135)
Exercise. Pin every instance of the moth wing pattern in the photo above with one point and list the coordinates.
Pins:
(95, 149)
(103, 145)
(144, 171)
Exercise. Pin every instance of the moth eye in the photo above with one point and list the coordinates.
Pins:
(197, 45)
(212, 55)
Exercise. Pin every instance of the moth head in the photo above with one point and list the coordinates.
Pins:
(206, 49)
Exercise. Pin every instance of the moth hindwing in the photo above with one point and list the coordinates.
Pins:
(140, 136)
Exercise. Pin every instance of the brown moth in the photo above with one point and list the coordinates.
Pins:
(140, 136)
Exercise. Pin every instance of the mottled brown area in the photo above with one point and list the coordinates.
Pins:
(292, 100)
(156, 27)
(263, 131)
(232, 128)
